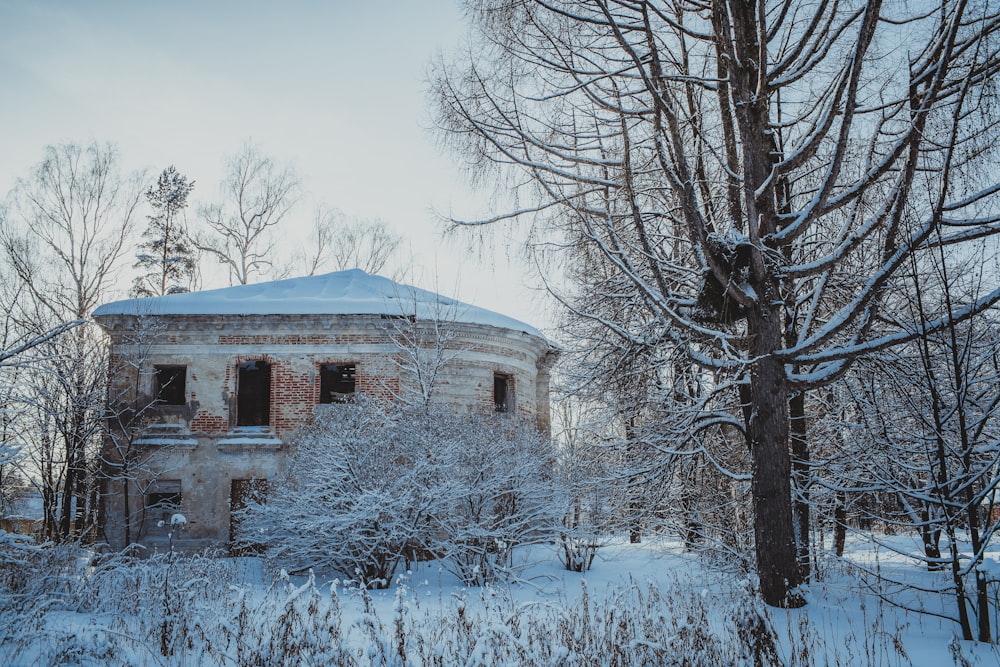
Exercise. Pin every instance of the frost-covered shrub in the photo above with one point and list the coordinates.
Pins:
(495, 491)
(32, 582)
(34, 571)
(14, 550)
(369, 485)
(72, 607)
(587, 485)
(349, 500)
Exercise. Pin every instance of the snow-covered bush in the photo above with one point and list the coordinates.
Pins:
(589, 487)
(349, 499)
(160, 610)
(13, 548)
(495, 490)
(369, 485)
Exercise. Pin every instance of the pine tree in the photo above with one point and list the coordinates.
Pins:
(166, 254)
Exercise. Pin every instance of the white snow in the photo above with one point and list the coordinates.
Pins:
(352, 292)
(637, 595)
(248, 440)
(163, 442)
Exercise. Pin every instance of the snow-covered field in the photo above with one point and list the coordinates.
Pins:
(647, 604)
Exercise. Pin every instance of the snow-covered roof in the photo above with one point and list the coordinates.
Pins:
(352, 292)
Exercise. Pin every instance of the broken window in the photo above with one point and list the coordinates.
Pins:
(336, 383)
(503, 393)
(170, 385)
(253, 393)
(161, 503)
(241, 493)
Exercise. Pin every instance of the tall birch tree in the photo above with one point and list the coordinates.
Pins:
(66, 234)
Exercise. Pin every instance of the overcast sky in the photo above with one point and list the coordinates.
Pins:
(335, 88)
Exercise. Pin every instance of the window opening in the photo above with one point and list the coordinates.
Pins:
(503, 393)
(161, 503)
(170, 385)
(253, 393)
(241, 493)
(337, 383)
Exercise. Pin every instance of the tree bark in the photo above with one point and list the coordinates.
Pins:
(800, 478)
(840, 524)
(930, 536)
(768, 430)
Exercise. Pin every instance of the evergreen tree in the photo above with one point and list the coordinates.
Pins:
(166, 255)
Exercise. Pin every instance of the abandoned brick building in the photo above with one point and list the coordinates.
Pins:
(218, 381)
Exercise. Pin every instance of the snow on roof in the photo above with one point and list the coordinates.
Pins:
(352, 292)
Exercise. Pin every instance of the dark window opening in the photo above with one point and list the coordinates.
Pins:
(169, 501)
(253, 393)
(503, 393)
(161, 503)
(170, 385)
(336, 383)
(242, 492)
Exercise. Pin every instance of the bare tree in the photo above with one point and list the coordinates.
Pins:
(658, 406)
(68, 227)
(69, 224)
(426, 338)
(748, 169)
(257, 194)
(924, 454)
(339, 243)
(18, 360)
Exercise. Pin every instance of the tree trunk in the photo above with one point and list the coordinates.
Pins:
(81, 518)
(800, 477)
(973, 523)
(840, 524)
(956, 576)
(931, 537)
(982, 584)
(50, 522)
(127, 501)
(777, 567)
(635, 507)
(68, 493)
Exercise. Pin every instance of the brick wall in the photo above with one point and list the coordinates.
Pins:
(295, 347)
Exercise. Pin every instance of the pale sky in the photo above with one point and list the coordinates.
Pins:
(337, 89)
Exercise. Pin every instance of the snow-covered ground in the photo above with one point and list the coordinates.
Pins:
(640, 604)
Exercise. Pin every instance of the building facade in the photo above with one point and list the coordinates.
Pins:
(207, 389)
